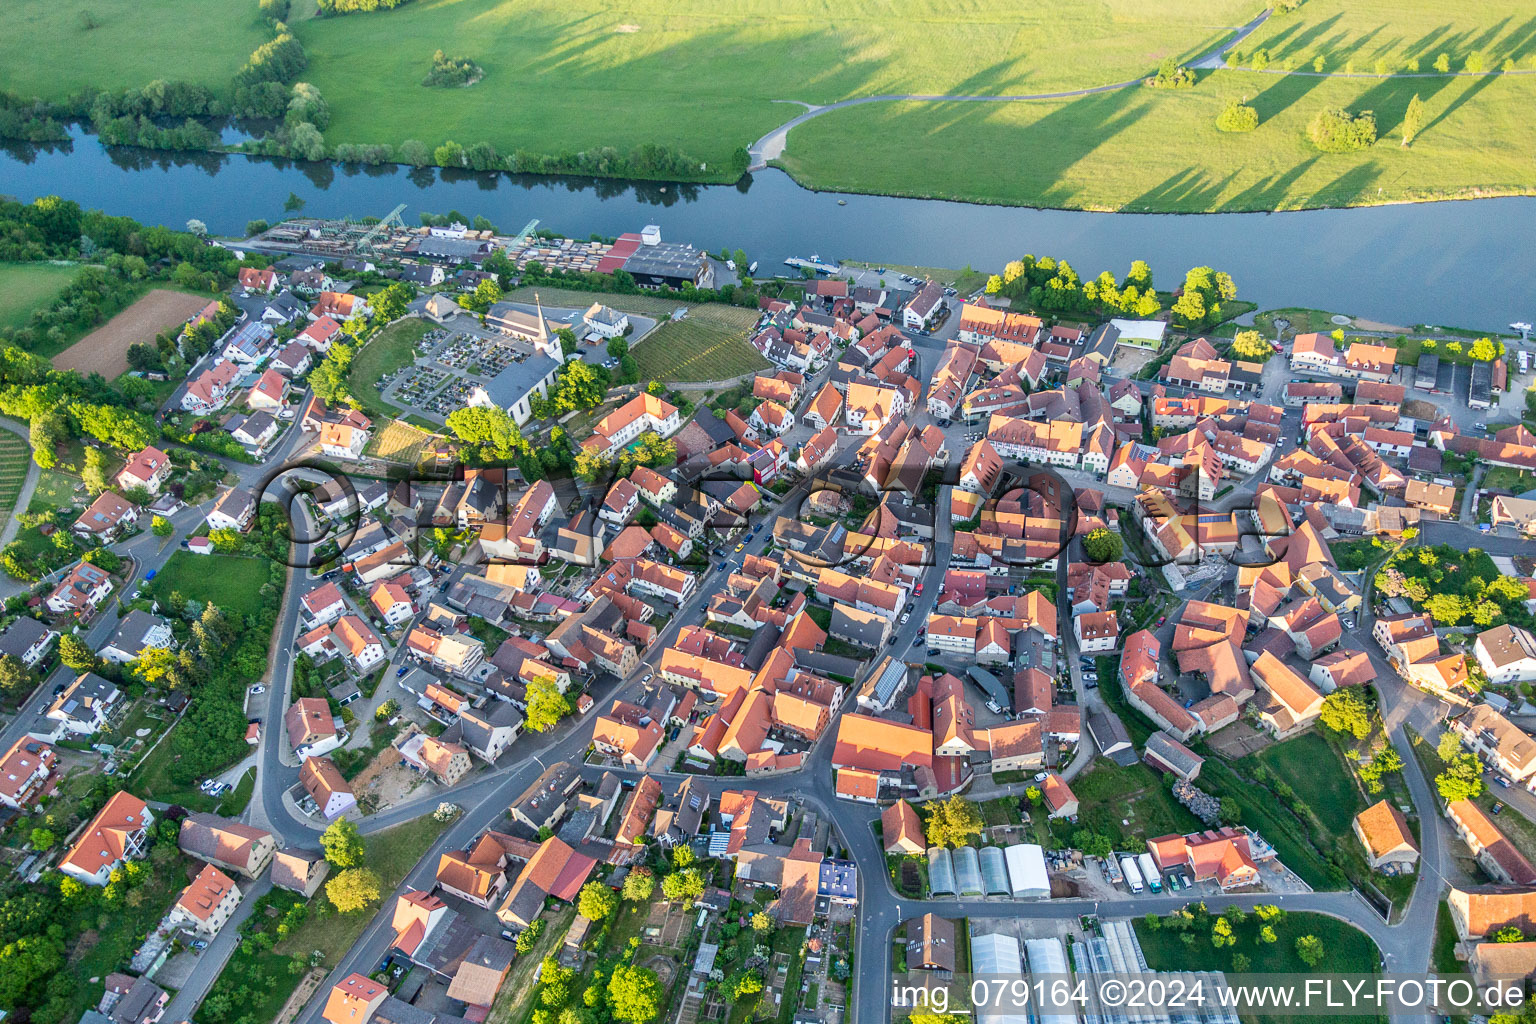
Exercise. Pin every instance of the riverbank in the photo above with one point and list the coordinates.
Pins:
(1433, 263)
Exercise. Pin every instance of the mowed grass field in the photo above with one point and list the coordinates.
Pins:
(398, 441)
(1399, 31)
(25, 287)
(709, 344)
(229, 581)
(1158, 150)
(385, 352)
(569, 75)
(54, 48)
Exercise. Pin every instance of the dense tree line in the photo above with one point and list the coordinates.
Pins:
(29, 120)
(1053, 286)
(645, 161)
(356, 6)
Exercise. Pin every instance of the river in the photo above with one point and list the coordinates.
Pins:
(1450, 263)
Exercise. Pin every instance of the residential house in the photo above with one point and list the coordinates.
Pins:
(323, 782)
(444, 761)
(1506, 654)
(235, 510)
(209, 389)
(27, 640)
(392, 602)
(1383, 831)
(118, 833)
(311, 729)
(24, 772)
(359, 645)
(85, 705)
(106, 518)
(231, 845)
(902, 830)
(253, 431)
(339, 306)
(343, 440)
(136, 632)
(1227, 856)
(148, 468)
(205, 905)
(1495, 854)
(1497, 742)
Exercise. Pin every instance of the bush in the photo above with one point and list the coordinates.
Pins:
(452, 71)
(1338, 131)
(1237, 117)
(1171, 76)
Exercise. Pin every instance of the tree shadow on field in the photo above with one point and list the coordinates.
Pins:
(1189, 188)
(1287, 91)
(1466, 96)
(1033, 159)
(1427, 44)
(1354, 184)
(1268, 193)
(1299, 42)
(1388, 99)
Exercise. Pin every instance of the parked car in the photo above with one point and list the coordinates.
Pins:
(1042, 776)
(258, 688)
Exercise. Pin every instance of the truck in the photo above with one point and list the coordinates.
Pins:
(1149, 871)
(1132, 875)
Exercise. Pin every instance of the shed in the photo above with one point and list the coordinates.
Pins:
(1026, 871)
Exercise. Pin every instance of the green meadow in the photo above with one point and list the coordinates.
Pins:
(566, 76)
(1159, 150)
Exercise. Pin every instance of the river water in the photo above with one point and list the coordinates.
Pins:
(1452, 263)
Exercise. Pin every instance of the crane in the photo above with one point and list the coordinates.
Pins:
(365, 244)
(528, 229)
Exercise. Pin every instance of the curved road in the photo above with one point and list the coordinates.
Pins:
(772, 145)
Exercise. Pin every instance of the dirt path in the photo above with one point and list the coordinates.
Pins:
(105, 350)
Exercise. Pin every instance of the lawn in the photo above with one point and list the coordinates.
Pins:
(235, 801)
(1111, 151)
(709, 344)
(1505, 478)
(1347, 950)
(392, 853)
(1309, 765)
(28, 286)
(230, 581)
(390, 349)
